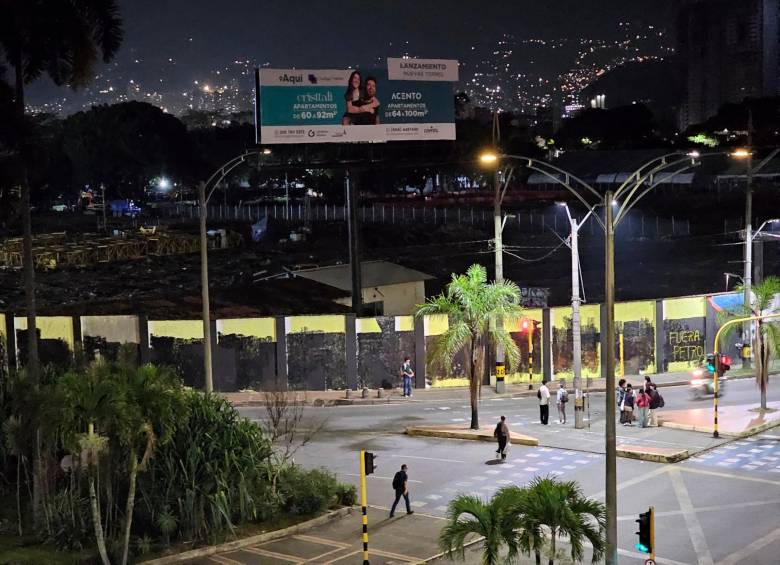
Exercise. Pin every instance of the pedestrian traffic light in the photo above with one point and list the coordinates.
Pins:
(711, 363)
(645, 533)
(368, 462)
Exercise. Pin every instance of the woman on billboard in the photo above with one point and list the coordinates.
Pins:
(361, 109)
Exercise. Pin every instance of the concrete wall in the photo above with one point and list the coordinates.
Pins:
(334, 352)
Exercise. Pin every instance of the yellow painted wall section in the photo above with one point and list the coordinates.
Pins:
(367, 326)
(681, 308)
(590, 314)
(262, 328)
(325, 324)
(436, 325)
(114, 329)
(179, 329)
(2, 326)
(632, 311)
(50, 327)
(404, 323)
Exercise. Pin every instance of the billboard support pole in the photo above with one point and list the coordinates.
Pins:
(354, 247)
(257, 105)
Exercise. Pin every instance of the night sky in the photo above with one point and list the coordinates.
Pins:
(204, 34)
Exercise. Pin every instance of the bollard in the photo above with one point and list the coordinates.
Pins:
(349, 393)
(365, 393)
(380, 392)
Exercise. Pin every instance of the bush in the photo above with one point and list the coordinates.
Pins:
(307, 492)
(209, 477)
(70, 526)
(346, 494)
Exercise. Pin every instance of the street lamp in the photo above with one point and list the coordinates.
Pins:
(490, 159)
(205, 192)
(623, 198)
(579, 422)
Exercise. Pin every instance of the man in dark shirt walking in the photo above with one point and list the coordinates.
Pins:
(401, 486)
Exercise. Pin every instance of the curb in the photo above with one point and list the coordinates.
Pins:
(675, 457)
(457, 434)
(251, 540)
(709, 430)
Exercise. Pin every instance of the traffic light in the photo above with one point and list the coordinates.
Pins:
(524, 325)
(724, 363)
(711, 363)
(645, 532)
(368, 462)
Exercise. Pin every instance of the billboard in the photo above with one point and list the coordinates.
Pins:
(410, 99)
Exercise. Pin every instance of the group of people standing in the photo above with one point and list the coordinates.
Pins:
(561, 399)
(640, 405)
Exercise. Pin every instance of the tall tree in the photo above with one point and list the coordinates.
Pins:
(472, 305)
(64, 40)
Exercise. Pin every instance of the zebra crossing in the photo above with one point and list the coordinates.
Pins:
(522, 465)
(759, 453)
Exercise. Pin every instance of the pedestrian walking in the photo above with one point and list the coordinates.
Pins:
(401, 487)
(407, 374)
(501, 433)
(627, 407)
(643, 406)
(562, 397)
(543, 394)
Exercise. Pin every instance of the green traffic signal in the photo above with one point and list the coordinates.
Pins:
(645, 544)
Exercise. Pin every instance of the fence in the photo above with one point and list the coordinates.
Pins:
(342, 351)
(636, 224)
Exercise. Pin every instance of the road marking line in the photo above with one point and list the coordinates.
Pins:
(741, 555)
(323, 541)
(638, 555)
(708, 508)
(728, 476)
(691, 519)
(635, 480)
(387, 509)
(266, 553)
(427, 458)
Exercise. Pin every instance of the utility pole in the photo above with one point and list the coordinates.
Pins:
(103, 196)
(579, 422)
(204, 291)
(611, 453)
(498, 228)
(353, 233)
(748, 273)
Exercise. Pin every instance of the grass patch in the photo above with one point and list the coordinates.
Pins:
(14, 549)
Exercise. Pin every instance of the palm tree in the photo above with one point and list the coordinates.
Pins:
(767, 339)
(61, 38)
(561, 509)
(472, 305)
(153, 405)
(494, 521)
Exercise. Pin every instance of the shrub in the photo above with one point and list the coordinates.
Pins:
(307, 492)
(346, 495)
(210, 473)
(70, 527)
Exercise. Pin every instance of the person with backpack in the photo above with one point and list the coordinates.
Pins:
(627, 407)
(656, 402)
(620, 394)
(562, 398)
(501, 433)
(407, 374)
(543, 394)
(401, 487)
(643, 406)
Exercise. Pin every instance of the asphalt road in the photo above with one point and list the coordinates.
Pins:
(721, 506)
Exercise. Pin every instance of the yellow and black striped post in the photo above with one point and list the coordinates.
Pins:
(364, 505)
(652, 534)
(530, 352)
(715, 379)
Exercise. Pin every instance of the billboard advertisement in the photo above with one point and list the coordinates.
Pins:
(410, 99)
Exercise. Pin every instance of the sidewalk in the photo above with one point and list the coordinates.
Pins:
(339, 397)
(403, 539)
(733, 421)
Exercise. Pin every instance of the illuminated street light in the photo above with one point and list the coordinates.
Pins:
(488, 158)
(694, 154)
(163, 183)
(741, 153)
